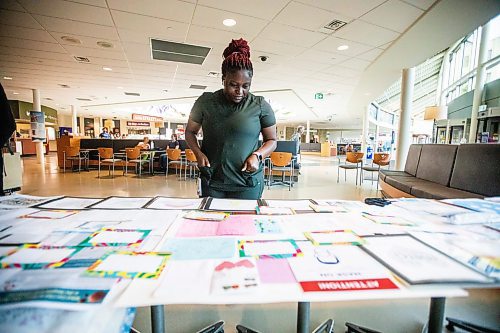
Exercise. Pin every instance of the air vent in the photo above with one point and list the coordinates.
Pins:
(106, 45)
(84, 99)
(334, 25)
(197, 86)
(82, 59)
(178, 52)
(132, 94)
(213, 74)
(64, 86)
(48, 99)
(71, 40)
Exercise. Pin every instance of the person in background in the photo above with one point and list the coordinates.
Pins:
(174, 143)
(297, 137)
(124, 136)
(144, 144)
(105, 134)
(116, 135)
(230, 159)
(349, 148)
(7, 128)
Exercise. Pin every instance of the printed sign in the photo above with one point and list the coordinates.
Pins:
(37, 126)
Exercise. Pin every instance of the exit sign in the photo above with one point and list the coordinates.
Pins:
(318, 96)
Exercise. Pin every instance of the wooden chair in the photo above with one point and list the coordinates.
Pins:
(106, 157)
(73, 154)
(281, 161)
(380, 160)
(133, 155)
(190, 162)
(353, 161)
(174, 157)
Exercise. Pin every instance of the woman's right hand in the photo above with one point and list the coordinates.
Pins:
(202, 160)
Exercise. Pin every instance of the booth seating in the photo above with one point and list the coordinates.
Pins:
(439, 171)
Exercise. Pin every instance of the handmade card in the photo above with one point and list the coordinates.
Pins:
(70, 203)
(234, 277)
(175, 203)
(129, 265)
(116, 237)
(337, 237)
(200, 248)
(205, 216)
(418, 263)
(49, 214)
(339, 268)
(269, 248)
(122, 203)
(37, 257)
(231, 205)
(266, 210)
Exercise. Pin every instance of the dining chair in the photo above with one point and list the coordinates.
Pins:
(281, 161)
(191, 162)
(379, 160)
(106, 157)
(133, 155)
(174, 157)
(72, 154)
(352, 161)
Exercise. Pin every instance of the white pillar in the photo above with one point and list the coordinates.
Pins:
(308, 134)
(404, 131)
(480, 79)
(37, 106)
(365, 129)
(74, 123)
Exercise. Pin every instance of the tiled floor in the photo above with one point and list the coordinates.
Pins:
(318, 179)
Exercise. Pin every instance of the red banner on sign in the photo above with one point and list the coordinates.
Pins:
(348, 285)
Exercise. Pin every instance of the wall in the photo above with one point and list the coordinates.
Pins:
(64, 120)
(492, 94)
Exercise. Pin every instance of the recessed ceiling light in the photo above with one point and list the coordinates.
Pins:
(229, 22)
(170, 28)
(107, 68)
(106, 45)
(343, 47)
(7, 78)
(71, 40)
(15, 93)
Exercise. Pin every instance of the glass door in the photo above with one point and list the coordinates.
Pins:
(457, 133)
(441, 135)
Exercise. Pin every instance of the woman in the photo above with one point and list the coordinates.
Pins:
(144, 144)
(230, 159)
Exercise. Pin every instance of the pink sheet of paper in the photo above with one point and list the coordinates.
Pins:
(275, 271)
(237, 225)
(193, 228)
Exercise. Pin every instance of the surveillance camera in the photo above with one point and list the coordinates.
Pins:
(263, 58)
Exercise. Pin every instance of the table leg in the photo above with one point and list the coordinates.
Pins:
(436, 315)
(157, 319)
(303, 316)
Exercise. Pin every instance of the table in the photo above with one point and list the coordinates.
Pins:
(189, 289)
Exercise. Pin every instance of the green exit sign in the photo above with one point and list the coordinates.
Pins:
(318, 96)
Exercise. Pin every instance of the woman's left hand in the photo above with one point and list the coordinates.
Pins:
(251, 164)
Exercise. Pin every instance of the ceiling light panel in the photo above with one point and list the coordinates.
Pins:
(178, 52)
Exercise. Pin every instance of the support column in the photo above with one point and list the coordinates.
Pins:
(365, 129)
(308, 134)
(37, 106)
(74, 123)
(404, 130)
(480, 80)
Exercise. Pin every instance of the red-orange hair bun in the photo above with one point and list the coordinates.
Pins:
(237, 57)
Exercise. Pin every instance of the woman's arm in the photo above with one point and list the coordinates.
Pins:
(269, 145)
(192, 130)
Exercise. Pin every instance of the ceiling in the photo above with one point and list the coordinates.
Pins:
(383, 36)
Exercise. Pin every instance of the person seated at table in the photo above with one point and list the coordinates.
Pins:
(174, 143)
(105, 134)
(144, 144)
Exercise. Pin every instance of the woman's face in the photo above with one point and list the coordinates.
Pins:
(237, 85)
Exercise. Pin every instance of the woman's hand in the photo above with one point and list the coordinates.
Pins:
(202, 160)
(251, 164)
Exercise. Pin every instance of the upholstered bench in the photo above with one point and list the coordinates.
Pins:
(437, 171)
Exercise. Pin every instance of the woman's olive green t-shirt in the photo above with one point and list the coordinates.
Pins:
(230, 135)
